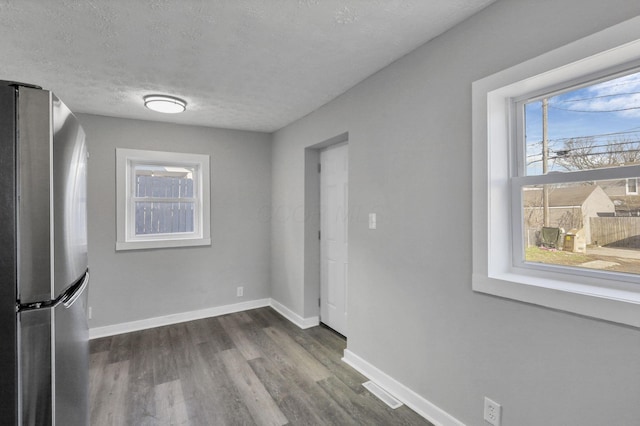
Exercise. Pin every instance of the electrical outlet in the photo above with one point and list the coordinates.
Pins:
(492, 412)
(240, 292)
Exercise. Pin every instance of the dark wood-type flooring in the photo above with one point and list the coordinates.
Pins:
(248, 368)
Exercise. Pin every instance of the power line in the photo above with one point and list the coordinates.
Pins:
(590, 147)
(627, 132)
(596, 146)
(588, 154)
(596, 97)
(594, 111)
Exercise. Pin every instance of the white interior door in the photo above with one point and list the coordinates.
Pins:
(334, 166)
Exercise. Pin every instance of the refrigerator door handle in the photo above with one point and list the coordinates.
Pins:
(70, 298)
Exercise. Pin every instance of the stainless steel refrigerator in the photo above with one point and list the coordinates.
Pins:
(44, 356)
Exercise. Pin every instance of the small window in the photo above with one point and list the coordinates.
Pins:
(162, 199)
(632, 186)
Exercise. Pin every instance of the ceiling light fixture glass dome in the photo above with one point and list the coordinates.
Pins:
(166, 104)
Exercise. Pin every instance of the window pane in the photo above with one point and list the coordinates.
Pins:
(593, 225)
(588, 128)
(164, 217)
(163, 181)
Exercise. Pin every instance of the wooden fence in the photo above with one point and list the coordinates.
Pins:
(615, 231)
(174, 214)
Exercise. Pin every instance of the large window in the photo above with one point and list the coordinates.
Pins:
(163, 199)
(562, 137)
(556, 143)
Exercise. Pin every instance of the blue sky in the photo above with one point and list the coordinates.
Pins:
(608, 111)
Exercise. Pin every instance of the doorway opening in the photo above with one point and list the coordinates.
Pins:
(320, 228)
(334, 215)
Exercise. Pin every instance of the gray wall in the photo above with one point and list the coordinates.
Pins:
(412, 312)
(141, 284)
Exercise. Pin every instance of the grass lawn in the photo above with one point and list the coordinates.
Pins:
(539, 255)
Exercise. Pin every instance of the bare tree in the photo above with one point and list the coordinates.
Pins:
(586, 153)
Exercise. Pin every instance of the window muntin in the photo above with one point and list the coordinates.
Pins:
(162, 199)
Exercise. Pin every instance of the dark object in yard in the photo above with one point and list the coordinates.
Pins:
(550, 237)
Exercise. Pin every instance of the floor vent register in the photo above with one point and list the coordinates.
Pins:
(383, 395)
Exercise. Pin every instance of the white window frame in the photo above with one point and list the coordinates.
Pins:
(497, 266)
(628, 192)
(126, 239)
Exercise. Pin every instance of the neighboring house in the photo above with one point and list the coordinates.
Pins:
(569, 208)
(625, 195)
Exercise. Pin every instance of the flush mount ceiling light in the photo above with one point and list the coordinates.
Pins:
(166, 104)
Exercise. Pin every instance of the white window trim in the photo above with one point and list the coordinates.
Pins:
(494, 271)
(125, 235)
(627, 187)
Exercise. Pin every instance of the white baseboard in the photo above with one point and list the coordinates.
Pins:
(127, 327)
(293, 317)
(144, 324)
(411, 399)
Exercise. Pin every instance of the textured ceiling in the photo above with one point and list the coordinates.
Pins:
(241, 64)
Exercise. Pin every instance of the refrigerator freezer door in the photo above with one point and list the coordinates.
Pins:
(72, 359)
(34, 218)
(52, 186)
(35, 367)
(69, 198)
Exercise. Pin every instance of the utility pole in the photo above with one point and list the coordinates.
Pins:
(545, 160)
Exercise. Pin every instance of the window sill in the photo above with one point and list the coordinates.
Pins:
(610, 304)
(158, 244)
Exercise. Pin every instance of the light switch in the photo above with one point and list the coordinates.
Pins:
(372, 221)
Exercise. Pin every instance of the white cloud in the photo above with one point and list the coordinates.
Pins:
(620, 96)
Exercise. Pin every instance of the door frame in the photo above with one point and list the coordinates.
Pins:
(344, 145)
(312, 206)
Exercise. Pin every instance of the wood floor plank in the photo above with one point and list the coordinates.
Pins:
(258, 320)
(263, 409)
(322, 346)
(182, 346)
(164, 363)
(120, 348)
(294, 403)
(170, 404)
(243, 317)
(217, 335)
(102, 344)
(247, 368)
(248, 349)
(307, 363)
(329, 338)
(97, 364)
(220, 400)
(141, 398)
(109, 406)
(354, 404)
